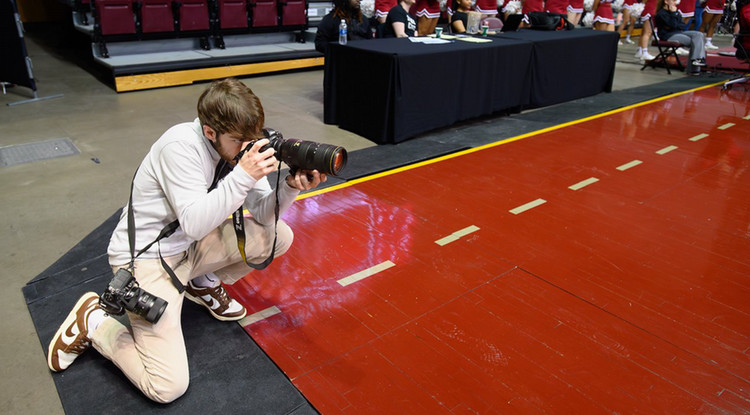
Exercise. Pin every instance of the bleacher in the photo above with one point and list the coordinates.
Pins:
(154, 43)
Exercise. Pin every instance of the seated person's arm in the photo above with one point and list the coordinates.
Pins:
(327, 32)
(321, 41)
(399, 29)
(458, 26)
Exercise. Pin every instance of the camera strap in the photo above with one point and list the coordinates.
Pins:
(222, 169)
(165, 232)
(239, 229)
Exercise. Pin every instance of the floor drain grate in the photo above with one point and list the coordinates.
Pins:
(41, 150)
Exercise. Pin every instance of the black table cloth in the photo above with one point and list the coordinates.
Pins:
(568, 65)
(389, 90)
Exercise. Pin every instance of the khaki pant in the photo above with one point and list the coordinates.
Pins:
(153, 356)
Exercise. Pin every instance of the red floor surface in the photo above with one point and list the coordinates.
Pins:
(627, 293)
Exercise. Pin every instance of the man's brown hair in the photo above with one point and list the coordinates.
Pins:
(229, 106)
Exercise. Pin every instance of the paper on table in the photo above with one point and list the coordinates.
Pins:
(474, 39)
(428, 40)
(443, 36)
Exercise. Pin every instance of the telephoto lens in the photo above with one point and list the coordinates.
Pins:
(303, 155)
(309, 155)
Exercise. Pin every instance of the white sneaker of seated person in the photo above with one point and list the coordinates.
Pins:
(72, 338)
(683, 52)
(207, 291)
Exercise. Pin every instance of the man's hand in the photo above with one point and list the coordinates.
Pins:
(306, 179)
(258, 164)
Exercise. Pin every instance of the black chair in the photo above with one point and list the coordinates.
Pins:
(666, 49)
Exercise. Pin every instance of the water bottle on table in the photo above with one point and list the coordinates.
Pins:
(342, 32)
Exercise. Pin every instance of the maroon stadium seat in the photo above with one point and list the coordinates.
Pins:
(293, 13)
(157, 16)
(115, 17)
(193, 15)
(232, 14)
(264, 13)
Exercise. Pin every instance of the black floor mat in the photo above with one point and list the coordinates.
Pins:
(229, 373)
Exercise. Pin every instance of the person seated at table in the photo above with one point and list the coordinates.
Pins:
(669, 26)
(399, 22)
(460, 19)
(357, 26)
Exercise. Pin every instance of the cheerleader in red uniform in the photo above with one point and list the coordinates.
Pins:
(382, 7)
(711, 16)
(603, 17)
(556, 6)
(529, 6)
(575, 10)
(428, 13)
(687, 10)
(649, 10)
(628, 21)
(488, 8)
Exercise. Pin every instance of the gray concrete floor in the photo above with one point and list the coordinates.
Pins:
(48, 206)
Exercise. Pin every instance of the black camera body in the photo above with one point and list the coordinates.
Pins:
(304, 155)
(123, 293)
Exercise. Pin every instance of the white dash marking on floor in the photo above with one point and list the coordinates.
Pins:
(727, 125)
(629, 165)
(530, 205)
(746, 117)
(366, 273)
(260, 315)
(698, 137)
(666, 150)
(456, 235)
(583, 183)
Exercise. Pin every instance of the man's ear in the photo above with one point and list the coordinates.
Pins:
(209, 133)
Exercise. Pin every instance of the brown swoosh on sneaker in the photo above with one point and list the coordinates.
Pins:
(73, 340)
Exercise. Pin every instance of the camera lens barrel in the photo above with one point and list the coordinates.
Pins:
(309, 155)
(149, 306)
(301, 154)
(156, 310)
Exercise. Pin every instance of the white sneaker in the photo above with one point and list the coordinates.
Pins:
(72, 338)
(638, 54)
(217, 301)
(628, 41)
(683, 52)
(647, 56)
(710, 45)
(619, 43)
